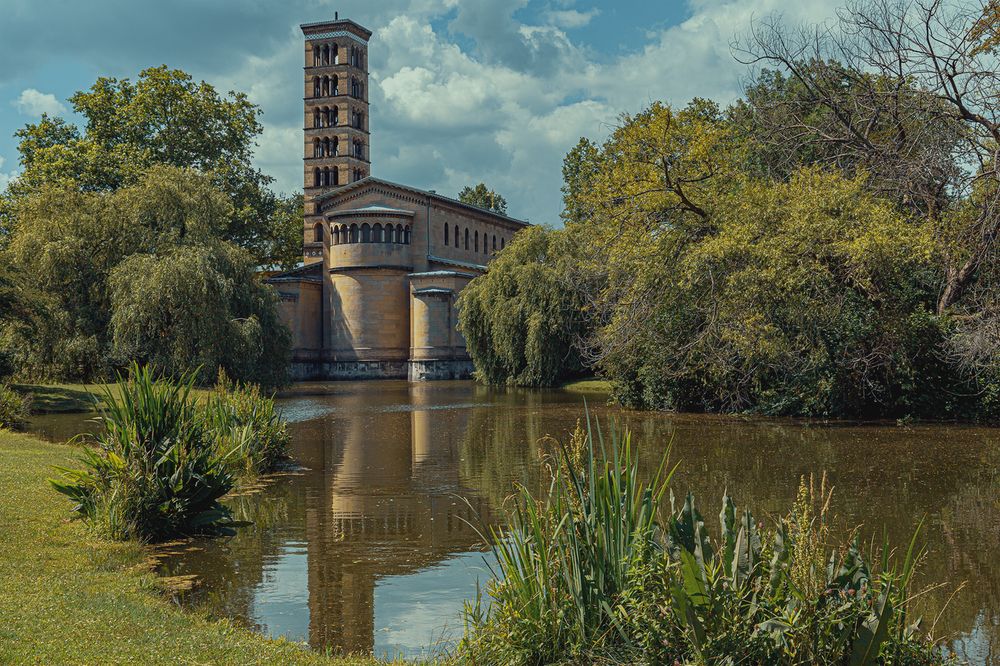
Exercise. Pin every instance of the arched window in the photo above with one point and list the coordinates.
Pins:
(336, 176)
(336, 85)
(326, 147)
(366, 233)
(336, 146)
(316, 87)
(318, 233)
(494, 243)
(317, 148)
(456, 235)
(334, 120)
(316, 177)
(406, 236)
(476, 246)
(335, 235)
(466, 239)
(336, 56)
(326, 54)
(354, 233)
(316, 59)
(377, 233)
(399, 238)
(316, 118)
(502, 243)
(446, 235)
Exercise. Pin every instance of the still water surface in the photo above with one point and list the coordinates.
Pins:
(369, 545)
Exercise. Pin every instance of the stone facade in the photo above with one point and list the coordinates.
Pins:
(383, 262)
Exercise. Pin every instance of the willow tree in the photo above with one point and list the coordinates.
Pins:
(521, 319)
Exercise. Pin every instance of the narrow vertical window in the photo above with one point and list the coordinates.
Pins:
(446, 235)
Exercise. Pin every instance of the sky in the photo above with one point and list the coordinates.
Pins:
(461, 91)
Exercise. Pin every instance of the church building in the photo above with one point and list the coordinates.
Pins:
(383, 262)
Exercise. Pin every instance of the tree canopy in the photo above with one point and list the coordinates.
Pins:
(824, 246)
(163, 117)
(142, 272)
(483, 197)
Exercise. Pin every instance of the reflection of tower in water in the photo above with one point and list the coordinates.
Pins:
(389, 502)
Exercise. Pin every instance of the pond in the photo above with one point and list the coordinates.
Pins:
(371, 544)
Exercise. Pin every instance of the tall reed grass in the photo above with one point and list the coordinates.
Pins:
(163, 460)
(153, 471)
(247, 426)
(596, 572)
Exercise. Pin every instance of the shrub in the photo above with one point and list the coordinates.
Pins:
(247, 427)
(15, 408)
(592, 573)
(154, 471)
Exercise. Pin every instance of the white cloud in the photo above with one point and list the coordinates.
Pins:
(571, 18)
(462, 91)
(34, 103)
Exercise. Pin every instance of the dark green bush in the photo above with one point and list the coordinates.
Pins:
(15, 408)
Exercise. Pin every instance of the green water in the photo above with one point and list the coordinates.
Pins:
(367, 547)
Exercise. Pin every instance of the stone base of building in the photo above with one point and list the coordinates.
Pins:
(414, 371)
(423, 371)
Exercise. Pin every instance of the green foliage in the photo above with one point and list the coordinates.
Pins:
(162, 118)
(142, 273)
(154, 471)
(520, 319)
(15, 408)
(593, 573)
(700, 270)
(248, 428)
(199, 306)
(483, 197)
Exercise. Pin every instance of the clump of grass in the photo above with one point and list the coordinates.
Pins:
(15, 408)
(247, 426)
(155, 471)
(593, 573)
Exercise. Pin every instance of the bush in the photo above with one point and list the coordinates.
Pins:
(14, 407)
(593, 573)
(248, 429)
(155, 472)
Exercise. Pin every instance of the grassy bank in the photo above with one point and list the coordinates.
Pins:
(590, 385)
(68, 597)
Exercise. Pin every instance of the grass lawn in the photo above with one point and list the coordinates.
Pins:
(67, 597)
(591, 385)
(62, 398)
(72, 398)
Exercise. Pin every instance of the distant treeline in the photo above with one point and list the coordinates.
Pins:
(826, 245)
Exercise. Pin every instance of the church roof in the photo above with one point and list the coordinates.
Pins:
(370, 180)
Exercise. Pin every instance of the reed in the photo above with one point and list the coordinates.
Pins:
(247, 427)
(596, 572)
(153, 471)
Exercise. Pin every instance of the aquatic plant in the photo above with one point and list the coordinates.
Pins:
(247, 427)
(154, 471)
(594, 572)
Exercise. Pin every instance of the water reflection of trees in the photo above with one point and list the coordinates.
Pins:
(385, 471)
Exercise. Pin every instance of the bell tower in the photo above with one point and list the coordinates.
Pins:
(336, 145)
